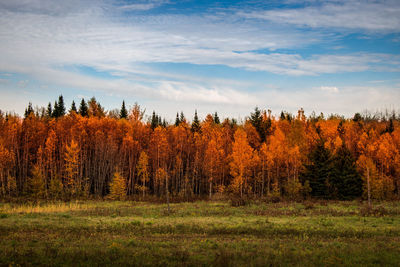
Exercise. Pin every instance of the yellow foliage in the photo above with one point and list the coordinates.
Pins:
(241, 160)
(118, 187)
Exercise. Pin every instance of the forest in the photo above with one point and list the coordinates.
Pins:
(86, 152)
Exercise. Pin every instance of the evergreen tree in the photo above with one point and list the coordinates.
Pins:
(195, 123)
(124, 113)
(61, 106)
(282, 117)
(262, 126)
(49, 111)
(28, 110)
(345, 181)
(177, 121)
(216, 118)
(318, 171)
(83, 108)
(182, 117)
(73, 107)
(55, 110)
(154, 121)
(357, 117)
(390, 127)
(257, 121)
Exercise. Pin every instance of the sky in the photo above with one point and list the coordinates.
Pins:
(333, 56)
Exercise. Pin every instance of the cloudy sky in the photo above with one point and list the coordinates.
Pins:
(333, 56)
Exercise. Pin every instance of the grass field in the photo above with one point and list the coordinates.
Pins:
(199, 234)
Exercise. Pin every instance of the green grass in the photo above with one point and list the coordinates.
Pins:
(199, 234)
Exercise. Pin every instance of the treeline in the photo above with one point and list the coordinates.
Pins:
(85, 152)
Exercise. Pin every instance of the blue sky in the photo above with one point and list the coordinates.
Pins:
(226, 56)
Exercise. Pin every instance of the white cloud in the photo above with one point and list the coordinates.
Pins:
(331, 89)
(23, 83)
(347, 14)
(179, 91)
(137, 7)
(41, 41)
(91, 38)
(142, 6)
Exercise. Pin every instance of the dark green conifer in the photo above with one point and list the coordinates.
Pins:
(83, 108)
(216, 118)
(28, 110)
(196, 123)
(177, 121)
(73, 107)
(319, 171)
(182, 117)
(123, 113)
(154, 121)
(55, 110)
(345, 181)
(49, 111)
(61, 106)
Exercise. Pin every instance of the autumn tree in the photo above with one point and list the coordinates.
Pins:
(95, 109)
(118, 187)
(37, 183)
(8, 184)
(72, 181)
(241, 160)
(143, 170)
(211, 159)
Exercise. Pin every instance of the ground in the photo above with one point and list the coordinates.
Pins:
(199, 234)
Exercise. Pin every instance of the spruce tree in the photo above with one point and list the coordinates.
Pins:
(49, 111)
(123, 113)
(318, 171)
(390, 127)
(83, 108)
(73, 107)
(28, 110)
(195, 123)
(159, 123)
(182, 117)
(61, 106)
(154, 121)
(357, 117)
(345, 181)
(216, 118)
(259, 124)
(177, 121)
(55, 110)
(283, 116)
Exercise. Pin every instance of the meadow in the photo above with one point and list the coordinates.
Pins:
(202, 233)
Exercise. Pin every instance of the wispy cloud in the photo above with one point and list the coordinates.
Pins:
(142, 6)
(332, 89)
(42, 39)
(345, 14)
